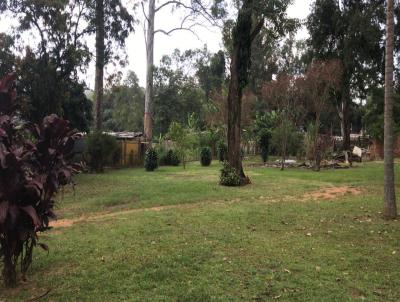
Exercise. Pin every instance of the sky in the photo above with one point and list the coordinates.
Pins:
(182, 40)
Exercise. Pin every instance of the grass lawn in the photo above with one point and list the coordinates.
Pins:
(176, 235)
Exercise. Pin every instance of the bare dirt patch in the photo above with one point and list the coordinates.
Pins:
(332, 193)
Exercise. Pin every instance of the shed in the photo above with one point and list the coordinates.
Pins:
(132, 147)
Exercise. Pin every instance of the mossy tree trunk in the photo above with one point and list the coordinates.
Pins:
(243, 35)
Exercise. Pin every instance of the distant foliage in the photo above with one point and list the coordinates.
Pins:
(222, 150)
(151, 160)
(229, 176)
(101, 150)
(205, 156)
(35, 163)
(286, 140)
(44, 89)
(374, 110)
(185, 140)
(123, 107)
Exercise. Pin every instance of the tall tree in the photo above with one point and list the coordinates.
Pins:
(177, 93)
(282, 95)
(112, 23)
(350, 31)
(321, 79)
(48, 72)
(193, 10)
(7, 58)
(390, 208)
(124, 105)
(100, 54)
(149, 92)
(374, 117)
(251, 19)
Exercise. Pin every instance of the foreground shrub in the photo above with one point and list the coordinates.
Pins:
(101, 150)
(229, 176)
(205, 156)
(222, 150)
(151, 160)
(35, 162)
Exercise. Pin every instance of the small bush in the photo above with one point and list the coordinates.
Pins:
(263, 142)
(170, 158)
(222, 151)
(205, 156)
(101, 150)
(229, 176)
(151, 160)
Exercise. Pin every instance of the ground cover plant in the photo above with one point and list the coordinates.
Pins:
(287, 237)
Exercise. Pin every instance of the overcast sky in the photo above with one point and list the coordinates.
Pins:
(135, 45)
(185, 40)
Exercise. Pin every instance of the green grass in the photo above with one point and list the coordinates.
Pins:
(261, 242)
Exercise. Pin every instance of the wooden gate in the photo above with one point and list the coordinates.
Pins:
(131, 154)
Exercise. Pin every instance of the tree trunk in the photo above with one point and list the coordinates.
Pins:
(390, 209)
(234, 118)
(345, 119)
(243, 35)
(100, 54)
(284, 127)
(148, 103)
(317, 147)
(283, 160)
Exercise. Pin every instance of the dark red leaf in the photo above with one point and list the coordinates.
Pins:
(32, 213)
(3, 211)
(44, 246)
(7, 83)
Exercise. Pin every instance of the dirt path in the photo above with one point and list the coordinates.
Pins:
(332, 193)
(329, 193)
(60, 223)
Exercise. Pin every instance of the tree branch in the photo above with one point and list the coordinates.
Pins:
(144, 11)
(172, 2)
(257, 29)
(202, 11)
(168, 33)
(182, 27)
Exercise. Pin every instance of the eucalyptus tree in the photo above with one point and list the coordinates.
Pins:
(48, 71)
(195, 12)
(124, 105)
(390, 208)
(177, 93)
(316, 87)
(351, 31)
(112, 23)
(7, 57)
(253, 16)
(63, 28)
